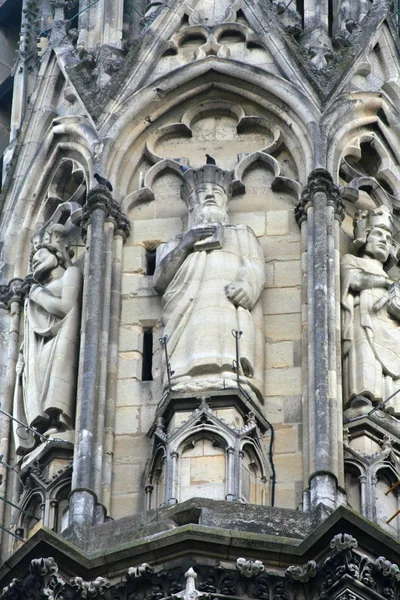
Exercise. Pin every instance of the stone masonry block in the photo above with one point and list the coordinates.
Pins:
(287, 274)
(282, 327)
(283, 382)
(131, 392)
(289, 467)
(255, 220)
(144, 311)
(281, 301)
(157, 230)
(277, 222)
(285, 494)
(124, 505)
(134, 259)
(279, 355)
(285, 439)
(130, 338)
(127, 420)
(129, 365)
(126, 478)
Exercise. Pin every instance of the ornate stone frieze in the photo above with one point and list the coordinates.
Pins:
(345, 573)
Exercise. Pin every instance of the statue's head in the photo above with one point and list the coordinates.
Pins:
(50, 249)
(206, 192)
(373, 234)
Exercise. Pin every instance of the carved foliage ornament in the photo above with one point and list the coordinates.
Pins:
(249, 568)
(249, 580)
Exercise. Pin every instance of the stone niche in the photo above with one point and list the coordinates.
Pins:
(262, 153)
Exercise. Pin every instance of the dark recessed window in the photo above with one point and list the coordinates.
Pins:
(147, 364)
(150, 261)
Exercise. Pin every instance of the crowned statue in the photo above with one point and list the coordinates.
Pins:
(47, 366)
(211, 279)
(371, 313)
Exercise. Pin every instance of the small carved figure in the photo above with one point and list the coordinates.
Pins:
(371, 313)
(46, 370)
(211, 278)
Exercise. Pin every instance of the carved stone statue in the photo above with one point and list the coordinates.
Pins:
(371, 313)
(46, 369)
(211, 279)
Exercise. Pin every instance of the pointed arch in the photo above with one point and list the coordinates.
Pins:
(148, 108)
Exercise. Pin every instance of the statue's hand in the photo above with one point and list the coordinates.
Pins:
(196, 234)
(238, 293)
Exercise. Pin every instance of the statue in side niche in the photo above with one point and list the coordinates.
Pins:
(47, 366)
(371, 313)
(211, 279)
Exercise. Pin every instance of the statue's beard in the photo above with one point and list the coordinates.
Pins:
(202, 215)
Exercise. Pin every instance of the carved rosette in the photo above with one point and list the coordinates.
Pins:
(320, 181)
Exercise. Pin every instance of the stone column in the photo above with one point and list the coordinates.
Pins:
(363, 494)
(121, 232)
(103, 356)
(230, 470)
(83, 498)
(105, 229)
(11, 298)
(173, 491)
(320, 214)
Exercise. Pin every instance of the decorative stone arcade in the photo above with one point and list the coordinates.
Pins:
(200, 307)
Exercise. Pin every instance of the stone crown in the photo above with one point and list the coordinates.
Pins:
(207, 174)
(379, 217)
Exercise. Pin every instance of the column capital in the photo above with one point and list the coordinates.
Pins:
(320, 181)
(101, 198)
(14, 291)
(122, 224)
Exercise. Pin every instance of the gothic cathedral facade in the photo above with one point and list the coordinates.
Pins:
(200, 299)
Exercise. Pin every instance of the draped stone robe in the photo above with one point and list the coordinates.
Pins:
(47, 385)
(199, 318)
(371, 338)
